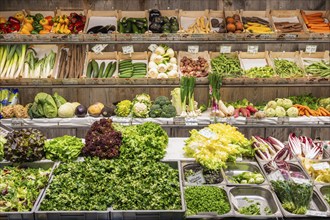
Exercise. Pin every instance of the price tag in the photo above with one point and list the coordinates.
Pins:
(264, 36)
(152, 47)
(193, 49)
(311, 48)
(179, 121)
(206, 132)
(321, 166)
(290, 36)
(98, 48)
(277, 175)
(225, 49)
(191, 122)
(252, 48)
(123, 120)
(250, 120)
(128, 49)
(316, 213)
(197, 178)
(300, 180)
(16, 122)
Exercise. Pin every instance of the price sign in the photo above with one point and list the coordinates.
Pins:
(197, 178)
(311, 48)
(225, 49)
(253, 49)
(290, 36)
(98, 48)
(128, 49)
(191, 122)
(206, 132)
(123, 120)
(152, 47)
(193, 49)
(265, 36)
(316, 213)
(179, 121)
(321, 166)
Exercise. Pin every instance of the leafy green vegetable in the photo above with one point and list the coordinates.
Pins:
(20, 187)
(59, 100)
(248, 178)
(252, 209)
(25, 145)
(206, 199)
(327, 198)
(308, 100)
(63, 148)
(2, 142)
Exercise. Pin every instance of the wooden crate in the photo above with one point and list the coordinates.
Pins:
(254, 56)
(135, 57)
(106, 57)
(234, 36)
(220, 16)
(188, 18)
(11, 36)
(318, 35)
(132, 14)
(291, 56)
(308, 58)
(194, 56)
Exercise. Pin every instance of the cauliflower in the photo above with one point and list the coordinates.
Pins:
(280, 111)
(123, 108)
(270, 112)
(324, 102)
(292, 112)
(271, 104)
(287, 103)
(142, 98)
(140, 110)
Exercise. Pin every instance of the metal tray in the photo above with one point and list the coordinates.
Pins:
(153, 214)
(313, 162)
(263, 195)
(200, 176)
(323, 190)
(213, 215)
(27, 215)
(234, 169)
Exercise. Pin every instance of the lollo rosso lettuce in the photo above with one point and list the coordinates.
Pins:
(102, 140)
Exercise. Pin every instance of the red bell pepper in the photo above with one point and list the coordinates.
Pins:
(15, 26)
(13, 20)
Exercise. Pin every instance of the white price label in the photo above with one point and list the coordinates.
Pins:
(321, 166)
(197, 178)
(179, 120)
(300, 180)
(316, 213)
(122, 120)
(193, 49)
(206, 132)
(152, 47)
(311, 48)
(128, 49)
(253, 49)
(98, 48)
(290, 36)
(277, 175)
(191, 121)
(225, 49)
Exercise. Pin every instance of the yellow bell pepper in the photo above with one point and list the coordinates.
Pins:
(28, 20)
(2, 20)
(19, 16)
(43, 22)
(28, 26)
(25, 31)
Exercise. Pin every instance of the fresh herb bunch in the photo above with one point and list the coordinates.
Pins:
(206, 199)
(25, 145)
(20, 187)
(65, 148)
(102, 140)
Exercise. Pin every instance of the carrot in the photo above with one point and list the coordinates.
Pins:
(320, 31)
(319, 25)
(304, 17)
(307, 113)
(317, 14)
(324, 110)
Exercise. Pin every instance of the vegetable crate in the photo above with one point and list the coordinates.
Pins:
(165, 36)
(292, 16)
(318, 33)
(236, 35)
(10, 36)
(27, 215)
(251, 60)
(189, 18)
(153, 214)
(100, 18)
(307, 59)
(194, 56)
(253, 33)
(290, 56)
(132, 14)
(220, 16)
(136, 57)
(106, 57)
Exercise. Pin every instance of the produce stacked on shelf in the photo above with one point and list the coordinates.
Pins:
(100, 29)
(200, 26)
(226, 65)
(194, 67)
(132, 25)
(319, 68)
(130, 69)
(234, 24)
(257, 25)
(37, 24)
(286, 68)
(260, 72)
(71, 61)
(163, 63)
(281, 108)
(72, 24)
(12, 59)
(12, 24)
(315, 22)
(103, 70)
(162, 24)
(8, 97)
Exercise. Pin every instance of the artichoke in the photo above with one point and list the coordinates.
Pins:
(25, 145)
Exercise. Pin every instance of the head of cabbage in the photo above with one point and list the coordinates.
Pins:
(66, 110)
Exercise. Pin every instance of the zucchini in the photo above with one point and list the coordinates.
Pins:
(135, 28)
(102, 66)
(89, 70)
(138, 76)
(128, 28)
(107, 70)
(112, 70)
(95, 69)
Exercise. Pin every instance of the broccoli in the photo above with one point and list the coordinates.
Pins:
(155, 111)
(168, 111)
(162, 100)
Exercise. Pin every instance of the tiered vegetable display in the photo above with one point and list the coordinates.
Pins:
(132, 25)
(163, 63)
(216, 144)
(162, 24)
(21, 187)
(25, 145)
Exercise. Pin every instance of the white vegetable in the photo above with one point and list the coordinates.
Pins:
(171, 66)
(173, 74)
(152, 73)
(162, 68)
(158, 59)
(231, 110)
(173, 60)
(153, 57)
(162, 76)
(170, 52)
(152, 64)
(159, 50)
(271, 104)
(223, 108)
(292, 112)
(66, 110)
(280, 111)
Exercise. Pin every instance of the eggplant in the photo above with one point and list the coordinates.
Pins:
(105, 29)
(112, 28)
(108, 111)
(155, 28)
(80, 111)
(166, 20)
(154, 13)
(94, 30)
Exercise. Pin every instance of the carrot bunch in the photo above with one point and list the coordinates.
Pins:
(315, 22)
(306, 111)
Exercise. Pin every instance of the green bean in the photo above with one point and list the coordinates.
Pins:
(286, 68)
(321, 68)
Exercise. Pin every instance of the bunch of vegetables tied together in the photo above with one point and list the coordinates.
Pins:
(163, 63)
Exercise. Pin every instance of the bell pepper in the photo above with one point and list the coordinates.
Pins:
(3, 20)
(3, 31)
(28, 26)
(66, 20)
(47, 27)
(16, 27)
(25, 31)
(19, 16)
(34, 32)
(83, 18)
(38, 28)
(43, 22)
(13, 20)
(50, 20)
(38, 17)
(73, 15)
(44, 32)
(28, 20)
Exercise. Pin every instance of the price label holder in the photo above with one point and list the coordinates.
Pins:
(16, 122)
(196, 178)
(277, 175)
(239, 158)
(316, 213)
(4, 130)
(193, 49)
(152, 47)
(321, 166)
(98, 48)
(290, 36)
(225, 49)
(191, 121)
(128, 49)
(179, 121)
(252, 48)
(283, 120)
(311, 49)
(250, 121)
(265, 36)
(126, 121)
(206, 132)
(300, 180)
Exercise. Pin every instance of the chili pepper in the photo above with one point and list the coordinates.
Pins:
(43, 22)
(38, 17)
(28, 20)
(13, 20)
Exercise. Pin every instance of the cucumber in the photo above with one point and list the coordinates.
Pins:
(126, 72)
(107, 70)
(89, 70)
(102, 66)
(95, 69)
(125, 75)
(112, 70)
(138, 76)
(125, 61)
